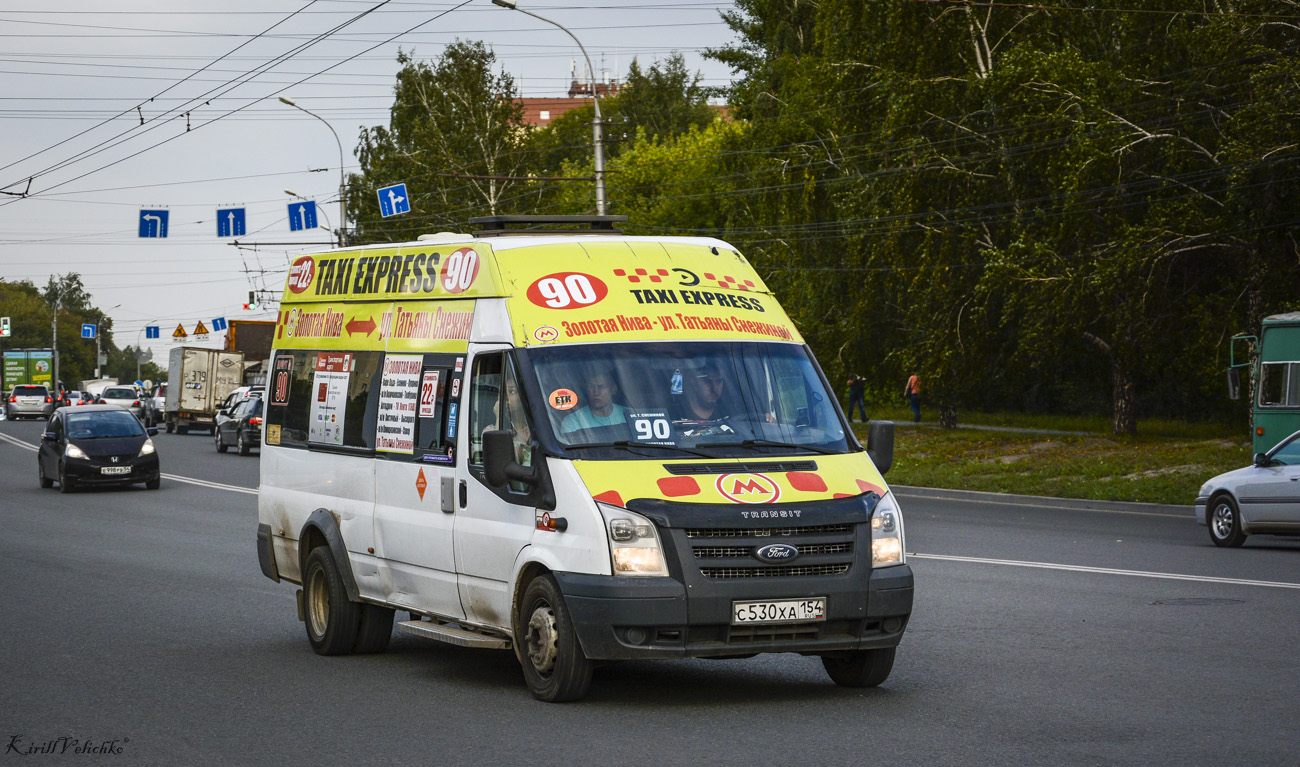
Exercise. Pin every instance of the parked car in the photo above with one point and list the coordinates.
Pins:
(242, 428)
(29, 401)
(96, 445)
(125, 396)
(1261, 498)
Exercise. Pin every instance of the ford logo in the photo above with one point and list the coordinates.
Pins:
(776, 552)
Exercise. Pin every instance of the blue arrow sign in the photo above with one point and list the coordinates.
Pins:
(394, 200)
(302, 215)
(153, 223)
(151, 331)
(230, 222)
(88, 331)
(218, 323)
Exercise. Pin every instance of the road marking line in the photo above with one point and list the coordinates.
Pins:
(1108, 571)
(174, 477)
(1012, 504)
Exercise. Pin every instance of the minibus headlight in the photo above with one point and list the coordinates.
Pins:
(633, 542)
(887, 533)
(76, 453)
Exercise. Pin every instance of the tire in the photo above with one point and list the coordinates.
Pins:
(153, 484)
(547, 645)
(65, 485)
(374, 630)
(332, 619)
(46, 482)
(860, 668)
(182, 429)
(220, 447)
(1224, 521)
(244, 447)
(171, 426)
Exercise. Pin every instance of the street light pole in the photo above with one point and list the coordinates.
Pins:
(343, 208)
(597, 135)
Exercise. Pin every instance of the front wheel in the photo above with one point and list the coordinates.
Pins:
(46, 482)
(1225, 523)
(860, 668)
(65, 484)
(221, 448)
(332, 618)
(547, 645)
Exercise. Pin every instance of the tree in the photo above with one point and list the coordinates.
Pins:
(453, 137)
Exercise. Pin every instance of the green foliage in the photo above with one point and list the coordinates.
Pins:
(31, 313)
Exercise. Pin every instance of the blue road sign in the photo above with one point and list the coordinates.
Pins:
(218, 323)
(151, 331)
(394, 200)
(88, 331)
(302, 215)
(153, 223)
(230, 222)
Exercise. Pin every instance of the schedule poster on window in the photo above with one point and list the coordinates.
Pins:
(399, 394)
(329, 402)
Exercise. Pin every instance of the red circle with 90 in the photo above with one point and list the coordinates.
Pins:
(567, 290)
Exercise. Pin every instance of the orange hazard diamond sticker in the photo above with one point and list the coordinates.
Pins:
(421, 484)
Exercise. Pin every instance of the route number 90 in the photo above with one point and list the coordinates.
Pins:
(652, 428)
(459, 271)
(567, 290)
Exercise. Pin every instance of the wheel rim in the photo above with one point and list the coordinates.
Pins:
(1221, 522)
(318, 603)
(542, 639)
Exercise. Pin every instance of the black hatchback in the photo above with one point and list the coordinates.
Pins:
(96, 445)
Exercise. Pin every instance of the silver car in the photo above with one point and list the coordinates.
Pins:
(29, 401)
(1262, 498)
(125, 396)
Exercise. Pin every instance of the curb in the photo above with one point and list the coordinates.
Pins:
(1044, 501)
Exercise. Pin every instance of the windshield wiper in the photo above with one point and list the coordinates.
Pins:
(772, 443)
(628, 444)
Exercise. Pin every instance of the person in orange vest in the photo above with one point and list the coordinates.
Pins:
(912, 393)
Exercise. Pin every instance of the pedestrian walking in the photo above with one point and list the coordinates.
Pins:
(856, 388)
(912, 393)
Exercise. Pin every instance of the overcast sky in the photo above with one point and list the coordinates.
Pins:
(80, 76)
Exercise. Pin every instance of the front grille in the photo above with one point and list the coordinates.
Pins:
(766, 532)
(739, 468)
(774, 633)
(791, 571)
(810, 549)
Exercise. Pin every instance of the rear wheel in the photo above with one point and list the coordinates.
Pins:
(547, 645)
(1224, 519)
(182, 429)
(220, 447)
(244, 447)
(332, 618)
(171, 426)
(860, 668)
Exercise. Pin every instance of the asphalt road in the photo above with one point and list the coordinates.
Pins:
(139, 620)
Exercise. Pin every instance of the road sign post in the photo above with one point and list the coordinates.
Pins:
(393, 200)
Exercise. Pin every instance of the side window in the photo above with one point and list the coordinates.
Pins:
(57, 428)
(413, 406)
(1279, 384)
(288, 411)
(484, 402)
(324, 398)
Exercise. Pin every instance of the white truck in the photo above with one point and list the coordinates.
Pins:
(198, 381)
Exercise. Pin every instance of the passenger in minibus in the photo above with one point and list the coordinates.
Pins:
(600, 409)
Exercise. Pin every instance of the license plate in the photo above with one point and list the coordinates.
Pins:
(780, 611)
(115, 470)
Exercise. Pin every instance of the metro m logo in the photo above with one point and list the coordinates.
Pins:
(748, 488)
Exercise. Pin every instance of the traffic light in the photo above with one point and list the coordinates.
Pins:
(252, 301)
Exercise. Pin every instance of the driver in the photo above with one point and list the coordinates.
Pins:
(600, 410)
(704, 388)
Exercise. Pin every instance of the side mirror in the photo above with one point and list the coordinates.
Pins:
(880, 444)
(1261, 460)
(152, 431)
(49, 436)
(1234, 384)
(499, 464)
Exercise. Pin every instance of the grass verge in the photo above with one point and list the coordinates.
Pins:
(1165, 463)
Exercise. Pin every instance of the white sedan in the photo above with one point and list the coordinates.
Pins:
(1262, 498)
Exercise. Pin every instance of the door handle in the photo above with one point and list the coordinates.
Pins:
(464, 494)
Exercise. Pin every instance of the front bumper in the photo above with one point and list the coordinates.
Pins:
(1200, 507)
(621, 618)
(89, 473)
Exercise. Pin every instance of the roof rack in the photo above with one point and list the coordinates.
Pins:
(500, 226)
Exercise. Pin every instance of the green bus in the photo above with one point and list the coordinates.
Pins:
(1276, 366)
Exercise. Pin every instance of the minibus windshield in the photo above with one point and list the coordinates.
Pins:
(702, 398)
